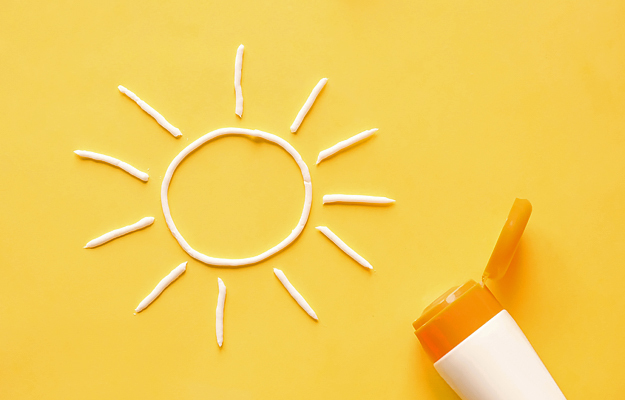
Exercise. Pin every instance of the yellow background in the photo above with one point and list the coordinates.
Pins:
(477, 102)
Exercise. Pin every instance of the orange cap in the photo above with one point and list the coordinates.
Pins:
(454, 316)
(460, 311)
(508, 240)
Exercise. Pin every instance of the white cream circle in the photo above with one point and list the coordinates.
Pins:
(236, 262)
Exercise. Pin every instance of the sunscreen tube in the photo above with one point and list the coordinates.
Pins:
(475, 344)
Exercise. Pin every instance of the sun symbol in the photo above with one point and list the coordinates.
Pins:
(237, 262)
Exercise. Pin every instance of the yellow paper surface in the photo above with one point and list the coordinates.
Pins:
(477, 102)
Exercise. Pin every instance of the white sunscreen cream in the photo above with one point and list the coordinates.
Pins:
(344, 247)
(219, 312)
(309, 102)
(344, 144)
(152, 112)
(114, 162)
(235, 262)
(162, 285)
(238, 66)
(355, 199)
(295, 294)
(114, 234)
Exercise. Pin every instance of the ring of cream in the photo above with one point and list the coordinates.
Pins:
(236, 262)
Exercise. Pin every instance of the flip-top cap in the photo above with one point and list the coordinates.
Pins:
(508, 240)
(460, 311)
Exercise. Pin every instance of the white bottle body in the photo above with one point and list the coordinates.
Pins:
(497, 362)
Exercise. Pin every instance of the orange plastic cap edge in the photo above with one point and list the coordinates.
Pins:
(452, 318)
(508, 240)
(460, 311)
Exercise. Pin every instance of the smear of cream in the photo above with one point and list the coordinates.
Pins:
(341, 245)
(107, 237)
(295, 294)
(152, 112)
(235, 262)
(162, 285)
(344, 144)
(114, 162)
(238, 65)
(351, 199)
(219, 313)
(309, 102)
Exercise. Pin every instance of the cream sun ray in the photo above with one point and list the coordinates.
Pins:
(219, 312)
(152, 112)
(294, 293)
(309, 102)
(114, 162)
(162, 285)
(344, 144)
(341, 245)
(107, 237)
(353, 199)
(238, 65)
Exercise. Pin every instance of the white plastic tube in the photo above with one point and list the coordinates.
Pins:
(497, 362)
